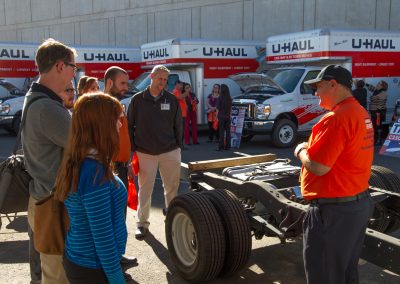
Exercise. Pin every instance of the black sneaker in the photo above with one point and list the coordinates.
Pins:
(140, 233)
(128, 260)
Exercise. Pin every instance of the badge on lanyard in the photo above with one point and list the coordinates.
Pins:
(165, 105)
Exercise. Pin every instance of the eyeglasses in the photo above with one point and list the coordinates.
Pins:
(72, 65)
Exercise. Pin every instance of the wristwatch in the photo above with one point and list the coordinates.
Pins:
(298, 151)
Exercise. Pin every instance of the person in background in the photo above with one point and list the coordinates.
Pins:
(336, 166)
(155, 127)
(116, 84)
(95, 198)
(191, 117)
(212, 101)
(224, 110)
(44, 137)
(68, 96)
(181, 96)
(377, 108)
(87, 84)
(360, 93)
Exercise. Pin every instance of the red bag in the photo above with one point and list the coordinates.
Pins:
(135, 164)
(132, 195)
(215, 124)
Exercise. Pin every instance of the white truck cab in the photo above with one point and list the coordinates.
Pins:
(278, 103)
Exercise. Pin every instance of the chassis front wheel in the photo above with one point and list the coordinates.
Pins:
(195, 237)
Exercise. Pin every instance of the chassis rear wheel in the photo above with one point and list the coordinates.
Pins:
(391, 205)
(237, 230)
(195, 237)
(380, 220)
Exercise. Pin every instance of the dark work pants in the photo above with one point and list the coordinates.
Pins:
(224, 126)
(212, 132)
(333, 235)
(34, 260)
(77, 274)
(378, 129)
(122, 172)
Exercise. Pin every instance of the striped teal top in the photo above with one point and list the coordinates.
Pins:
(97, 234)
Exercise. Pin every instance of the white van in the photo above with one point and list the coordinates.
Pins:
(277, 101)
(202, 63)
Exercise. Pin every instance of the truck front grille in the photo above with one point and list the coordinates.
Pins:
(250, 109)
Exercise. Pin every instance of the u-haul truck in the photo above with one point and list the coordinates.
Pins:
(278, 101)
(18, 71)
(202, 63)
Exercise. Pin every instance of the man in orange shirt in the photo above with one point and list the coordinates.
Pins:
(177, 91)
(336, 163)
(116, 84)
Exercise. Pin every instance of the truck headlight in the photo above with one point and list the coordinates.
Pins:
(263, 111)
(4, 109)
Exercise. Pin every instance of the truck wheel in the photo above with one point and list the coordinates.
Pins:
(237, 230)
(392, 183)
(246, 137)
(389, 178)
(284, 133)
(379, 220)
(195, 237)
(16, 123)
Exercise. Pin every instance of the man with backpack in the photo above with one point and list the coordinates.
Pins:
(44, 136)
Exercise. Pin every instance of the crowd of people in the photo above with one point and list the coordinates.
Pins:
(377, 104)
(79, 147)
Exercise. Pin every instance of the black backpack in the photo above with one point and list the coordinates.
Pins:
(14, 179)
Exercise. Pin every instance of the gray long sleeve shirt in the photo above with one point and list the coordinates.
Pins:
(44, 137)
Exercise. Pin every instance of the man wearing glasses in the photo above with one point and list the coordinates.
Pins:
(68, 96)
(43, 139)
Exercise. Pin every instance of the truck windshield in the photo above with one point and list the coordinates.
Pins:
(286, 78)
(142, 82)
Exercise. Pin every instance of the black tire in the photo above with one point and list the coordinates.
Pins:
(390, 179)
(379, 221)
(16, 123)
(392, 183)
(284, 134)
(246, 137)
(195, 237)
(237, 230)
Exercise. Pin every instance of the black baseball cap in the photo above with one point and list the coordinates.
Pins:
(333, 72)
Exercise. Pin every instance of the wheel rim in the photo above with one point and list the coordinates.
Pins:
(286, 134)
(184, 238)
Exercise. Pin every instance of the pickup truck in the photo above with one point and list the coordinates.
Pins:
(11, 103)
(278, 103)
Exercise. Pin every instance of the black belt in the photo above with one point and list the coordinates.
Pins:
(340, 199)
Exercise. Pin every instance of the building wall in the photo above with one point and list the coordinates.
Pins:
(134, 22)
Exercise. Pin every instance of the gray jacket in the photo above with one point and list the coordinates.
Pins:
(44, 137)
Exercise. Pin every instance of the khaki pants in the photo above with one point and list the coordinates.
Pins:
(170, 169)
(52, 265)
